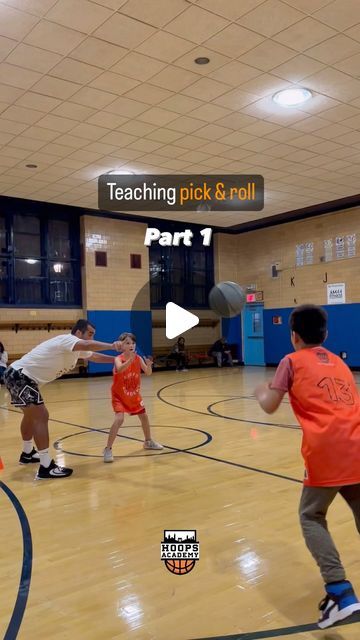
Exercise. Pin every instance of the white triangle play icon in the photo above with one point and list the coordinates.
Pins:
(178, 320)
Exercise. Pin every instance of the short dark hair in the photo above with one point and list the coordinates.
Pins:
(125, 335)
(310, 322)
(82, 325)
(1, 348)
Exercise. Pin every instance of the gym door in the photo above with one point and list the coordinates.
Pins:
(253, 335)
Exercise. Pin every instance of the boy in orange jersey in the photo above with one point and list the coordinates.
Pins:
(125, 392)
(325, 400)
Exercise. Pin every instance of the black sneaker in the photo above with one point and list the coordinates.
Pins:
(28, 458)
(52, 471)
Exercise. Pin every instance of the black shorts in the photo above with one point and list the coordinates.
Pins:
(23, 390)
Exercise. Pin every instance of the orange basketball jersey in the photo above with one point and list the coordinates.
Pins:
(125, 390)
(326, 403)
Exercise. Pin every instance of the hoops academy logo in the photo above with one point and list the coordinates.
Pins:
(180, 550)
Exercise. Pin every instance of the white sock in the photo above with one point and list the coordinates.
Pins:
(27, 446)
(44, 458)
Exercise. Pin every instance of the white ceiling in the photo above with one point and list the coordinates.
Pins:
(89, 86)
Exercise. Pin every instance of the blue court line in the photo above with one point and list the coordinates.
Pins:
(25, 578)
(284, 631)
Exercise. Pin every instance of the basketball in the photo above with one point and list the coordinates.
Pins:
(227, 299)
(180, 567)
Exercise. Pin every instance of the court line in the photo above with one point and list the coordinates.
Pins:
(58, 447)
(25, 578)
(208, 413)
(191, 453)
(283, 631)
(221, 415)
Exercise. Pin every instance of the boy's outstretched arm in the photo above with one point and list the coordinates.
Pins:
(268, 399)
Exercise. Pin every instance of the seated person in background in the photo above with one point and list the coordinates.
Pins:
(3, 361)
(221, 352)
(178, 353)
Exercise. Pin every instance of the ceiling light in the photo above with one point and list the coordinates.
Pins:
(118, 172)
(292, 97)
(30, 261)
(202, 60)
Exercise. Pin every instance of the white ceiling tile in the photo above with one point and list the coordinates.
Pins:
(156, 13)
(81, 15)
(158, 116)
(174, 78)
(124, 31)
(134, 65)
(236, 99)
(114, 83)
(335, 84)
(185, 124)
(37, 101)
(33, 58)
(213, 132)
(126, 107)
(271, 17)
(55, 87)
(136, 128)
(53, 37)
(17, 77)
(305, 34)
(231, 9)
(21, 142)
(210, 112)
(75, 71)
(196, 24)
(9, 94)
(268, 55)
(181, 104)
(15, 24)
(235, 73)
(6, 45)
(297, 68)
(340, 14)
(40, 133)
(206, 89)
(56, 123)
(350, 66)
(8, 126)
(307, 6)
(89, 131)
(20, 114)
(108, 120)
(36, 7)
(90, 97)
(165, 46)
(163, 135)
(216, 60)
(334, 49)
(149, 94)
(98, 53)
(234, 40)
(73, 111)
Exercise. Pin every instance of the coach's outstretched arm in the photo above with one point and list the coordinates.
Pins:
(94, 345)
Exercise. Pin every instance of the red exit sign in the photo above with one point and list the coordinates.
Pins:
(258, 296)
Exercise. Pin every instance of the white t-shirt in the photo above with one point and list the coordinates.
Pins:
(51, 359)
(3, 359)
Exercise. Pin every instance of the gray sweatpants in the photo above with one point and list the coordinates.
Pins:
(314, 504)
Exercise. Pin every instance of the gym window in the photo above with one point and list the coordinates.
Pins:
(39, 260)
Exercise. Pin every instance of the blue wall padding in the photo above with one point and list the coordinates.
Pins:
(231, 330)
(343, 327)
(110, 324)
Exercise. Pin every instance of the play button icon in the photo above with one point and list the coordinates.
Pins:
(178, 320)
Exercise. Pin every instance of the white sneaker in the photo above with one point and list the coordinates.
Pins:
(151, 444)
(108, 456)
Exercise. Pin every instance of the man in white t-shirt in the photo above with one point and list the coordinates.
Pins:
(46, 362)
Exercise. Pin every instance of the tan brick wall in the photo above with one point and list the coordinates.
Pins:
(24, 340)
(247, 259)
(113, 287)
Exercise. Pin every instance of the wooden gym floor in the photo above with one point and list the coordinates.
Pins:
(80, 558)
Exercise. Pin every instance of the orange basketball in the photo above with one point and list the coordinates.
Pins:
(180, 567)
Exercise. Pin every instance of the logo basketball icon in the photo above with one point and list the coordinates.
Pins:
(180, 550)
